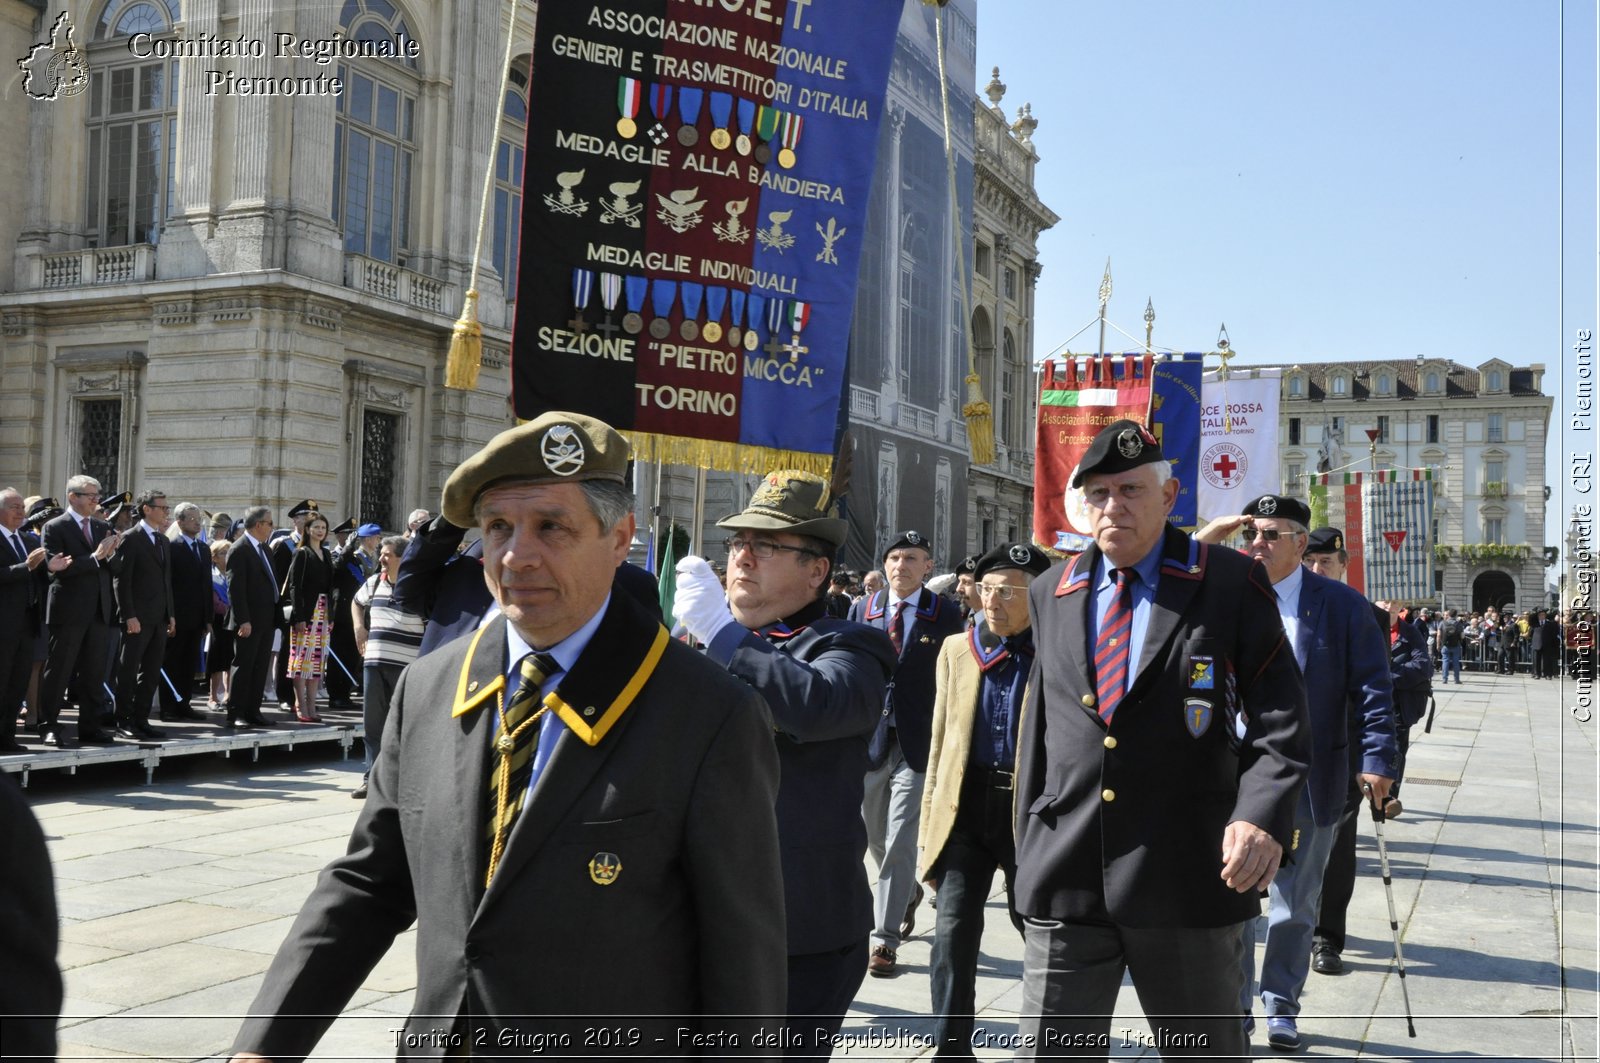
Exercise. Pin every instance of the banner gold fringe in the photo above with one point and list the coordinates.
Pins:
(980, 422)
(728, 457)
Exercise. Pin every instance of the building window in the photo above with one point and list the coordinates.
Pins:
(100, 441)
(1291, 482)
(374, 147)
(129, 185)
(1011, 285)
(1339, 385)
(1385, 384)
(508, 179)
(1494, 380)
(984, 263)
(1294, 387)
(1337, 428)
(1436, 534)
(1433, 428)
(1433, 382)
(1294, 431)
(986, 539)
(923, 285)
(1008, 389)
(1494, 529)
(1497, 428)
(380, 455)
(1383, 428)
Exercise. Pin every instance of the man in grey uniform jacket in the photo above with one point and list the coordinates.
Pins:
(576, 810)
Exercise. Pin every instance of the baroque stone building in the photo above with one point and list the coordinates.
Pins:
(233, 283)
(1482, 430)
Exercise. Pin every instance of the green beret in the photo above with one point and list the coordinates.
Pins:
(792, 501)
(555, 447)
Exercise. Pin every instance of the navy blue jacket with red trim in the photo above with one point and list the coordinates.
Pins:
(908, 701)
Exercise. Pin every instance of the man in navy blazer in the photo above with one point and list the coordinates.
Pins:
(823, 680)
(1342, 656)
(917, 622)
(21, 603)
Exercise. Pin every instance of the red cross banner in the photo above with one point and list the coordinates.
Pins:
(1073, 407)
(1238, 439)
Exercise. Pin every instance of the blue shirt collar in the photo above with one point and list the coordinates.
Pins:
(566, 652)
(1148, 567)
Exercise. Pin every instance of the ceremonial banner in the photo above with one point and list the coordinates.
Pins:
(1073, 407)
(1398, 536)
(694, 204)
(1238, 440)
(1175, 420)
(1356, 574)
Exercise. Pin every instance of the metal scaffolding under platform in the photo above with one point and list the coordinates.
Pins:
(187, 739)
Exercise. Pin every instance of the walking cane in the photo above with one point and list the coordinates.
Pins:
(1427, 728)
(1388, 892)
(342, 668)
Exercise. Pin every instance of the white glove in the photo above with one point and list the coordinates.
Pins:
(699, 603)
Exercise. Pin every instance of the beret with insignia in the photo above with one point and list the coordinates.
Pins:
(912, 540)
(369, 529)
(1020, 556)
(1120, 446)
(1280, 506)
(1325, 541)
(793, 501)
(555, 447)
(968, 565)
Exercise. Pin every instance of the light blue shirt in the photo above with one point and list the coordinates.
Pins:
(1287, 591)
(566, 654)
(1148, 571)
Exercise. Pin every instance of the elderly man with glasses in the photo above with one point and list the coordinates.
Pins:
(824, 682)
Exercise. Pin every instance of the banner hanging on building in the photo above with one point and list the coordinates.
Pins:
(693, 210)
(1238, 440)
(1398, 535)
(1073, 407)
(1175, 420)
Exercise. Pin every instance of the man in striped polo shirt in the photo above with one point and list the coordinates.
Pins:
(389, 638)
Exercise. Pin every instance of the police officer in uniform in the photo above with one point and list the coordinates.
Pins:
(1146, 826)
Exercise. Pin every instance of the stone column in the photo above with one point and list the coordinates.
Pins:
(315, 244)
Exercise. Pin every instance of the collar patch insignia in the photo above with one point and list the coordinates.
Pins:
(1197, 716)
(1202, 673)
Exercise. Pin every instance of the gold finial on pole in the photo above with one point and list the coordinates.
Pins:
(1105, 297)
(1149, 323)
(1225, 352)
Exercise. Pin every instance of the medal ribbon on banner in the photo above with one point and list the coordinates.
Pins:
(791, 137)
(660, 106)
(582, 292)
(747, 122)
(716, 299)
(610, 290)
(767, 119)
(630, 93)
(690, 328)
(799, 316)
(663, 294)
(735, 331)
(776, 316)
(752, 332)
(689, 110)
(721, 110)
(636, 288)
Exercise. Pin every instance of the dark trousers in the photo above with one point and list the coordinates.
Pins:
(1188, 981)
(282, 684)
(182, 658)
(139, 672)
(16, 665)
(379, 680)
(1402, 742)
(248, 683)
(1339, 880)
(821, 987)
(342, 645)
(1506, 664)
(1550, 662)
(76, 648)
(980, 842)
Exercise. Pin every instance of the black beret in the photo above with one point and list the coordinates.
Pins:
(1280, 506)
(968, 565)
(1021, 556)
(42, 510)
(913, 539)
(1325, 541)
(1120, 446)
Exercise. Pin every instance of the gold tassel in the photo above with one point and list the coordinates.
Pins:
(728, 457)
(466, 347)
(980, 422)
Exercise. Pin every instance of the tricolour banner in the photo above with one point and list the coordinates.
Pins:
(1398, 535)
(694, 204)
(1073, 407)
(1238, 440)
(1175, 420)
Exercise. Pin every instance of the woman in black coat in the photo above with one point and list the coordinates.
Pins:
(307, 592)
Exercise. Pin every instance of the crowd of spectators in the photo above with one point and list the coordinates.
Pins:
(1541, 643)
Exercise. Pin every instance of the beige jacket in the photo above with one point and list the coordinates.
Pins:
(955, 704)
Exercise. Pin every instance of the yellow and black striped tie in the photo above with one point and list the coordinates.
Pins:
(514, 745)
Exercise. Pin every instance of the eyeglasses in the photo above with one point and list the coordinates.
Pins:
(1004, 592)
(1271, 535)
(763, 549)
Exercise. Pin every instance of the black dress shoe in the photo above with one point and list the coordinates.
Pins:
(151, 734)
(127, 734)
(1324, 960)
(11, 745)
(176, 715)
(909, 923)
(257, 720)
(95, 738)
(59, 740)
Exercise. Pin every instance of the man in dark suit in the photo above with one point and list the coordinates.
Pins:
(80, 611)
(917, 621)
(143, 587)
(574, 808)
(253, 615)
(191, 613)
(823, 680)
(22, 591)
(966, 830)
(1145, 824)
(1342, 654)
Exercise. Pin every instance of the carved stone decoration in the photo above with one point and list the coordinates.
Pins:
(400, 397)
(323, 315)
(996, 89)
(98, 383)
(230, 310)
(180, 312)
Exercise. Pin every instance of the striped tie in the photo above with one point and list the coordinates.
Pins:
(1111, 647)
(514, 746)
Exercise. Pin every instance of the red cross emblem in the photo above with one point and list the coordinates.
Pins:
(1225, 465)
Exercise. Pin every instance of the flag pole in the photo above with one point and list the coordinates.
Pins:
(466, 339)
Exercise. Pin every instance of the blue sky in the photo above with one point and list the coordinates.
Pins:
(1360, 180)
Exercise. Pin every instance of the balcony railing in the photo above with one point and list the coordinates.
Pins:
(1494, 489)
(92, 266)
(864, 403)
(399, 284)
(916, 419)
